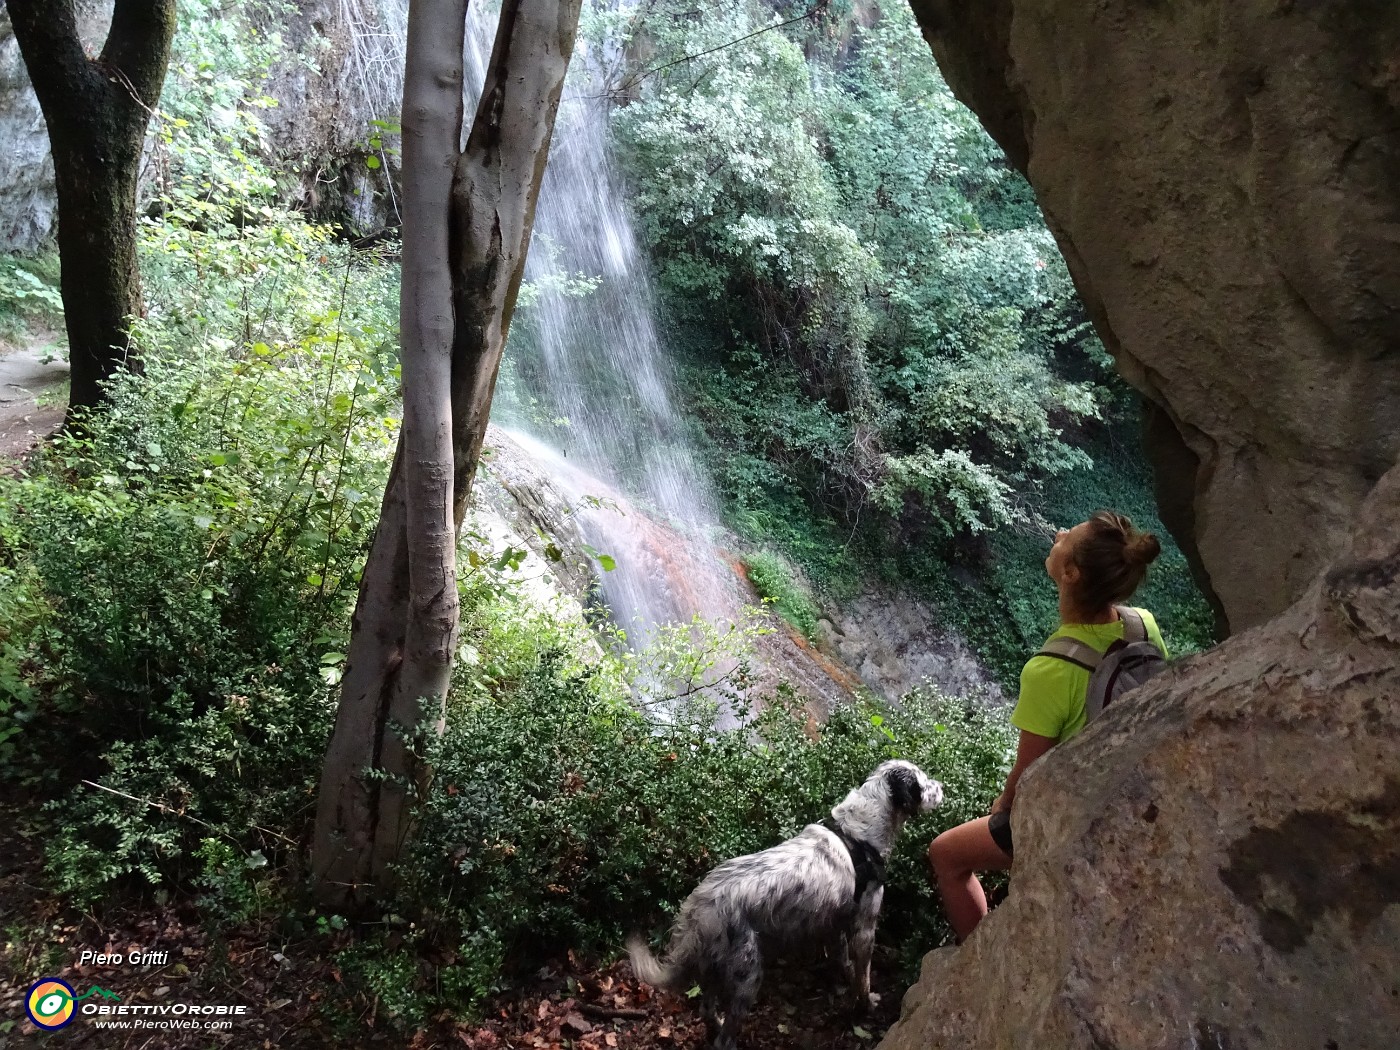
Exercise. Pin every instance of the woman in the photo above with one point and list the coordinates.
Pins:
(1096, 565)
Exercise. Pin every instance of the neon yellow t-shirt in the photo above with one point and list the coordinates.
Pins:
(1053, 691)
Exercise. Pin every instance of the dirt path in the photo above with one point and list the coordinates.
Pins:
(24, 378)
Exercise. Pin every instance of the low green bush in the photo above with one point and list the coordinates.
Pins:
(176, 583)
(562, 816)
(776, 581)
(29, 293)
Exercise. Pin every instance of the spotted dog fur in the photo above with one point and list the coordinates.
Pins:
(798, 894)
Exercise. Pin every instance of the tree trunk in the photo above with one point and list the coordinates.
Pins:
(97, 111)
(493, 207)
(454, 320)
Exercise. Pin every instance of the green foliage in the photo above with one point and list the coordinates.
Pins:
(774, 580)
(210, 135)
(181, 571)
(560, 815)
(881, 340)
(29, 293)
(844, 243)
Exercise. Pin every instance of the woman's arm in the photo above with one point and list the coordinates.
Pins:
(1031, 747)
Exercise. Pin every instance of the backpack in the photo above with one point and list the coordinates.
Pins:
(1124, 665)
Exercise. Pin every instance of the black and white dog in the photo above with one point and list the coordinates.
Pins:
(823, 886)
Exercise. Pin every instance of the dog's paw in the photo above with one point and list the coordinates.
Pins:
(874, 1000)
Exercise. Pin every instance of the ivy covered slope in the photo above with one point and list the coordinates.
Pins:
(882, 339)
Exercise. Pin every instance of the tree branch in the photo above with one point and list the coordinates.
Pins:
(138, 47)
(59, 69)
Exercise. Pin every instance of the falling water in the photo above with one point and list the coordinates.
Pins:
(591, 384)
(589, 390)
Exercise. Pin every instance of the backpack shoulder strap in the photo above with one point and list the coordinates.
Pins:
(1072, 651)
(1134, 627)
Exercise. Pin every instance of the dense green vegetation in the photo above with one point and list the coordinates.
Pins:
(885, 363)
(881, 340)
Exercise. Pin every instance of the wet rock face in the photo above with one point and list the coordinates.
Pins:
(894, 643)
(1215, 863)
(520, 492)
(342, 69)
(1222, 178)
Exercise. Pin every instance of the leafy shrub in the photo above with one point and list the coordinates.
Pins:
(892, 326)
(560, 815)
(775, 580)
(29, 292)
(183, 573)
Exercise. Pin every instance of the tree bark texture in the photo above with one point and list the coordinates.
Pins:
(97, 111)
(460, 280)
(493, 206)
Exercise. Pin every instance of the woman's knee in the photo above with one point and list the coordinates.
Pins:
(943, 853)
(965, 849)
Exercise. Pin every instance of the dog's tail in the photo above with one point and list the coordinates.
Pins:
(649, 968)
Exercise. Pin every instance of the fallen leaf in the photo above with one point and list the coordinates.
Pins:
(576, 1022)
(610, 1038)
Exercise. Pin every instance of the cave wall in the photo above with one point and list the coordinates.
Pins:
(1223, 177)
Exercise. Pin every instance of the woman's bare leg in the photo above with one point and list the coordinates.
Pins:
(953, 857)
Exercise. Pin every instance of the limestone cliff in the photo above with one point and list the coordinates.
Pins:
(27, 196)
(1216, 862)
(1222, 178)
(341, 68)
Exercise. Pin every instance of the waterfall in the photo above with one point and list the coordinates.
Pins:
(586, 384)
(591, 379)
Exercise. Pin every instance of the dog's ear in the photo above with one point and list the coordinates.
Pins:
(905, 793)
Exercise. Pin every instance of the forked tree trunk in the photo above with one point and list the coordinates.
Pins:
(493, 207)
(454, 321)
(97, 111)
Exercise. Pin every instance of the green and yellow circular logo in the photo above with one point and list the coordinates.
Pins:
(50, 1003)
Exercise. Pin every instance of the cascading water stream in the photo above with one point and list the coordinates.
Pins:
(595, 360)
(590, 391)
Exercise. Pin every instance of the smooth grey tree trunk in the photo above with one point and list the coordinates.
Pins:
(97, 110)
(467, 223)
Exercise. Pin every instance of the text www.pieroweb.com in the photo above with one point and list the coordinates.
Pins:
(162, 1024)
(164, 1017)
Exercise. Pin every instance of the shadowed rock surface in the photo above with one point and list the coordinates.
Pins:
(1222, 179)
(1215, 863)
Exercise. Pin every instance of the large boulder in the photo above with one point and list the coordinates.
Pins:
(1223, 177)
(1214, 864)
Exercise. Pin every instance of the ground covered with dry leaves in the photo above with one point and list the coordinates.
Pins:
(297, 996)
